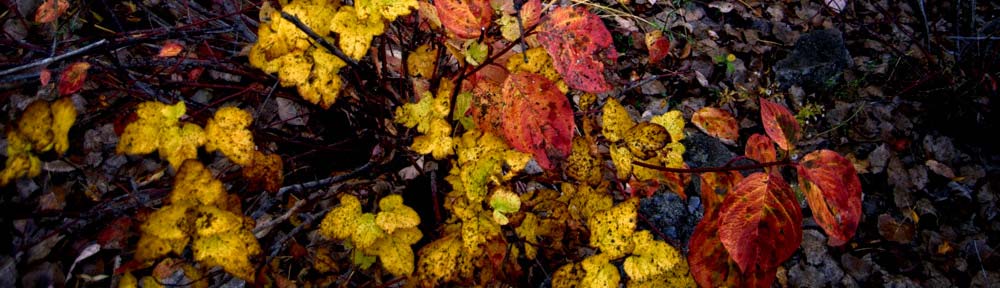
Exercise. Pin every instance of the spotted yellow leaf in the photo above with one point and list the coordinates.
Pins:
(395, 215)
(227, 132)
(611, 230)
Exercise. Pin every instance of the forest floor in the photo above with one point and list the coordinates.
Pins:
(906, 90)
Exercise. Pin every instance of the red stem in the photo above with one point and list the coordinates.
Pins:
(713, 169)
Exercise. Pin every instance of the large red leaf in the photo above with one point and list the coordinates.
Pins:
(464, 18)
(779, 123)
(710, 263)
(537, 118)
(577, 41)
(833, 191)
(760, 149)
(718, 123)
(760, 222)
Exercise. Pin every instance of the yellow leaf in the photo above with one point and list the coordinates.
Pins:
(158, 128)
(395, 253)
(227, 132)
(436, 142)
(645, 139)
(599, 272)
(622, 159)
(230, 249)
(674, 155)
(355, 32)
(395, 215)
(35, 125)
(128, 281)
(538, 62)
(581, 165)
(476, 231)
(503, 201)
(439, 261)
(167, 230)
(674, 122)
(181, 143)
(616, 120)
(384, 9)
(20, 161)
(611, 230)
(341, 222)
(421, 61)
(418, 114)
(63, 117)
(194, 184)
(528, 231)
(568, 276)
(649, 257)
(366, 232)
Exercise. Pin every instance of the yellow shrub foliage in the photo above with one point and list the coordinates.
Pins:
(43, 126)
(428, 116)
(387, 234)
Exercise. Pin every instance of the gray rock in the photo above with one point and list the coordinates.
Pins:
(818, 57)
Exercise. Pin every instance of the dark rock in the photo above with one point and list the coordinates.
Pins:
(818, 57)
(670, 215)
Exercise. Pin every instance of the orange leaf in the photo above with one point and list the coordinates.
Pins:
(779, 123)
(537, 118)
(718, 123)
(577, 40)
(710, 263)
(72, 78)
(714, 185)
(760, 149)
(833, 191)
(531, 12)
(658, 46)
(50, 10)
(760, 223)
(466, 19)
(170, 49)
(45, 76)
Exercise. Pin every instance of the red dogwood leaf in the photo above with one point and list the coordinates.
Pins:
(537, 118)
(72, 78)
(718, 123)
(464, 18)
(760, 149)
(710, 263)
(658, 46)
(760, 222)
(577, 40)
(779, 123)
(833, 191)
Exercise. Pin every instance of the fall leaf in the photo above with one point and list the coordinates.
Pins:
(227, 132)
(599, 272)
(355, 32)
(50, 10)
(439, 261)
(537, 118)
(611, 230)
(780, 124)
(718, 123)
(582, 165)
(833, 192)
(387, 235)
(714, 185)
(394, 251)
(673, 120)
(537, 61)
(420, 62)
(71, 80)
(577, 41)
(645, 139)
(340, 222)
(656, 262)
(712, 266)
(224, 239)
(158, 128)
(465, 19)
(760, 222)
(568, 276)
(616, 120)
(395, 215)
(264, 172)
(384, 9)
(658, 46)
(170, 49)
(428, 116)
(503, 201)
(760, 148)
(43, 126)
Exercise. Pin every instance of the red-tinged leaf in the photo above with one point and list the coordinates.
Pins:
(658, 46)
(714, 186)
(718, 123)
(72, 78)
(531, 13)
(833, 191)
(170, 49)
(486, 84)
(779, 123)
(50, 10)
(577, 40)
(677, 181)
(710, 263)
(45, 76)
(760, 149)
(464, 18)
(760, 223)
(537, 118)
(114, 236)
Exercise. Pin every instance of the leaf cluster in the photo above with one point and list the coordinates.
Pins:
(387, 234)
(43, 127)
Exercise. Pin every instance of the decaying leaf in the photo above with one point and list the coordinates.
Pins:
(833, 190)
(658, 46)
(537, 61)
(578, 41)
(465, 19)
(265, 172)
(759, 222)
(50, 10)
(616, 121)
(73, 77)
(611, 230)
(718, 123)
(780, 124)
(170, 49)
(384, 9)
(581, 164)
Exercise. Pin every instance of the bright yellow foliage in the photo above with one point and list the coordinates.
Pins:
(42, 127)
(355, 32)
(420, 62)
(616, 120)
(384, 9)
(428, 116)
(158, 128)
(599, 272)
(340, 222)
(227, 132)
(582, 165)
(503, 201)
(199, 211)
(673, 120)
(645, 142)
(611, 229)
(395, 215)
(649, 257)
(585, 201)
(440, 262)
(387, 235)
(539, 62)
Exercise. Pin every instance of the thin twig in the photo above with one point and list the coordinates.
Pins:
(319, 39)
(47, 61)
(323, 182)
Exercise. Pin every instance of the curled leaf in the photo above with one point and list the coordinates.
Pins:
(760, 149)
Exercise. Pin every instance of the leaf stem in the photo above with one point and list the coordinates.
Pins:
(713, 169)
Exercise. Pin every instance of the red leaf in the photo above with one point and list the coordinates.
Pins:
(45, 76)
(710, 263)
(50, 10)
(530, 13)
(760, 223)
(537, 118)
(577, 39)
(760, 149)
(779, 123)
(72, 78)
(114, 235)
(718, 123)
(714, 185)
(170, 49)
(464, 18)
(659, 46)
(833, 191)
